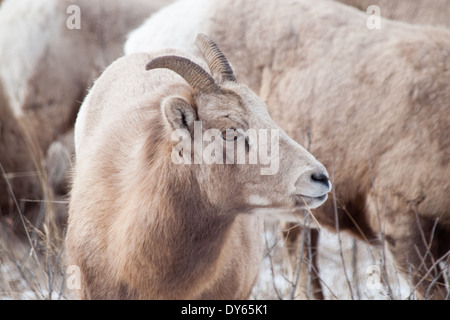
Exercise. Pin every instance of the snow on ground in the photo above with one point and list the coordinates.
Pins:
(363, 265)
(21, 278)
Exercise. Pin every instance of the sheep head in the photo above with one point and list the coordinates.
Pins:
(225, 130)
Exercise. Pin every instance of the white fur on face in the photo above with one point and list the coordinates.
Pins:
(257, 200)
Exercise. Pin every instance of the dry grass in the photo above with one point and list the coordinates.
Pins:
(30, 269)
(31, 253)
(32, 264)
(348, 269)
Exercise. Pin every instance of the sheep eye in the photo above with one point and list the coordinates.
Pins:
(230, 135)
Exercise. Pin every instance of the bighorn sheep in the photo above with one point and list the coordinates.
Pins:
(376, 103)
(47, 64)
(140, 225)
(435, 12)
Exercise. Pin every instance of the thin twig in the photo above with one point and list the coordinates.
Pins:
(272, 268)
(381, 228)
(22, 219)
(46, 201)
(324, 283)
(336, 220)
(355, 267)
(309, 261)
(428, 272)
(299, 267)
(426, 243)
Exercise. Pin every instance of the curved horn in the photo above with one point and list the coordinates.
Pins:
(215, 58)
(189, 70)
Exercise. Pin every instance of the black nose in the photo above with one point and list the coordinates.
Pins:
(320, 178)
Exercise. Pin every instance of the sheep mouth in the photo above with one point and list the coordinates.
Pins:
(310, 202)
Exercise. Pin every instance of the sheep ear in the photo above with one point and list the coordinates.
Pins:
(178, 113)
